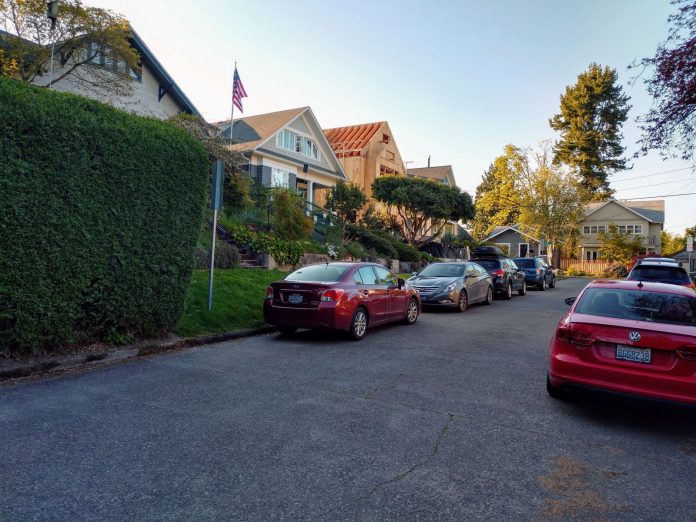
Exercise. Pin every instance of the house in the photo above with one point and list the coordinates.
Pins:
(640, 218)
(686, 259)
(441, 174)
(366, 152)
(150, 92)
(287, 149)
(515, 243)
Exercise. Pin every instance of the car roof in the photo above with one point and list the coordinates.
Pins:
(657, 261)
(643, 286)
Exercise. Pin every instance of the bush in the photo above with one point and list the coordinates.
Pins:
(100, 212)
(356, 250)
(226, 256)
(288, 217)
(282, 250)
(616, 270)
(377, 241)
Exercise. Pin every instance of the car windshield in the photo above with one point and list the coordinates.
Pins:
(638, 305)
(443, 270)
(671, 274)
(319, 273)
(525, 263)
(489, 264)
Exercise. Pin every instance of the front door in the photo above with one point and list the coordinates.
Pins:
(524, 249)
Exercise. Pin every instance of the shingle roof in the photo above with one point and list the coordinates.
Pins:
(652, 210)
(251, 131)
(439, 173)
(351, 140)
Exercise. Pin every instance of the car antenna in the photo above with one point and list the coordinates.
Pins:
(640, 284)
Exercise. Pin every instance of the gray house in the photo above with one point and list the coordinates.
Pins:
(287, 149)
(514, 242)
(683, 259)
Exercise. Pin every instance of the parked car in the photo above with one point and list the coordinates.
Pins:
(340, 296)
(456, 284)
(660, 272)
(536, 272)
(627, 337)
(507, 277)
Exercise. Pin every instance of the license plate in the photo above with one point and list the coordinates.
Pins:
(295, 298)
(629, 353)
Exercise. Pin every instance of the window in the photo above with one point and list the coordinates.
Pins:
(639, 229)
(629, 229)
(357, 278)
(328, 273)
(591, 255)
(105, 58)
(368, 275)
(280, 178)
(593, 229)
(586, 229)
(384, 276)
(602, 229)
(302, 145)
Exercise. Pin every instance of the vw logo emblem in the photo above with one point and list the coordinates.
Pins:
(634, 337)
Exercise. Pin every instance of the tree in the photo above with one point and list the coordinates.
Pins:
(81, 36)
(497, 196)
(420, 208)
(592, 113)
(551, 203)
(345, 200)
(670, 125)
(618, 247)
(672, 243)
(237, 188)
(288, 216)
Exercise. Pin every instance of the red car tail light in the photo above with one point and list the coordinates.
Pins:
(332, 294)
(688, 353)
(269, 292)
(689, 285)
(578, 337)
(499, 273)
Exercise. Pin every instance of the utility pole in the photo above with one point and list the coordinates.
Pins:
(52, 15)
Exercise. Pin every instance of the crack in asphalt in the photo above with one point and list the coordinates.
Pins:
(402, 475)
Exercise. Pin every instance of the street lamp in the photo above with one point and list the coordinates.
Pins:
(52, 15)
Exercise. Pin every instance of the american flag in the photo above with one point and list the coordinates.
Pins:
(238, 91)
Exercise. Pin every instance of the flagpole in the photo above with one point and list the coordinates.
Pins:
(232, 113)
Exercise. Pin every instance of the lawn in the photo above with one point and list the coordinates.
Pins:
(237, 301)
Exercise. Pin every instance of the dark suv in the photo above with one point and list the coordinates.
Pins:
(660, 272)
(536, 272)
(507, 278)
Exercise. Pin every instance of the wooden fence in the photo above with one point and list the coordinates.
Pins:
(589, 267)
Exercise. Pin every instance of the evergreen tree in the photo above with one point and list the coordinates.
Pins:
(592, 113)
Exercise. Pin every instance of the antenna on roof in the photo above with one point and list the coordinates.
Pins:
(640, 284)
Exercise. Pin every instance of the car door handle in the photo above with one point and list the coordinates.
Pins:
(365, 292)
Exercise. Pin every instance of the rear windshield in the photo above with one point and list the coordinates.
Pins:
(525, 263)
(664, 274)
(319, 273)
(443, 270)
(489, 264)
(638, 305)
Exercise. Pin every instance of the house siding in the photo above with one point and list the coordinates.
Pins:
(515, 239)
(614, 213)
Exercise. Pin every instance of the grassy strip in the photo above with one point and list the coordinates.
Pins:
(237, 301)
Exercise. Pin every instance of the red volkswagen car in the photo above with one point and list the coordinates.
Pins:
(340, 296)
(628, 337)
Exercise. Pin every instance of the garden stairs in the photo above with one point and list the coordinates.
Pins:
(247, 257)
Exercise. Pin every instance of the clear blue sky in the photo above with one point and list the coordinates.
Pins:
(456, 80)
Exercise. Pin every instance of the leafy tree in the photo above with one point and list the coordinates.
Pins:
(551, 203)
(672, 243)
(592, 113)
(671, 122)
(288, 217)
(345, 200)
(82, 34)
(497, 196)
(615, 246)
(237, 190)
(420, 208)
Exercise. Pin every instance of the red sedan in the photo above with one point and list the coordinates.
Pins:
(627, 337)
(340, 296)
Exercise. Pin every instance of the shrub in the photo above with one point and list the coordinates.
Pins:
(356, 250)
(100, 212)
(282, 250)
(616, 270)
(288, 217)
(226, 256)
(376, 240)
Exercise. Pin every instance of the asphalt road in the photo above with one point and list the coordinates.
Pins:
(448, 419)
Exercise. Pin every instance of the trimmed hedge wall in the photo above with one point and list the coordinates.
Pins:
(100, 212)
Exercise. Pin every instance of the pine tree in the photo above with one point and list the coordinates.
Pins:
(592, 113)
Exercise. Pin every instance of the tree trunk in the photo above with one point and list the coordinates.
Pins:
(556, 257)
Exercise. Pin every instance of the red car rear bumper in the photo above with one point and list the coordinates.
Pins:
(566, 368)
(326, 316)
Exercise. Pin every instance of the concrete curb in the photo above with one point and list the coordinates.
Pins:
(56, 364)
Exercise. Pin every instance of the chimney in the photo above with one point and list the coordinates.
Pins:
(428, 161)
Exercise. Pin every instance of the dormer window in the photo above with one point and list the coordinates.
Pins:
(295, 143)
(107, 60)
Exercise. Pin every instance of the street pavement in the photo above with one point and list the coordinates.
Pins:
(444, 420)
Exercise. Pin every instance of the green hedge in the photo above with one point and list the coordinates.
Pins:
(100, 211)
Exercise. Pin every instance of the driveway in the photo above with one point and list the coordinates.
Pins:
(448, 419)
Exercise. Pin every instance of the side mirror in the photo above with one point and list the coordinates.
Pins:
(401, 283)
(414, 274)
(570, 300)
